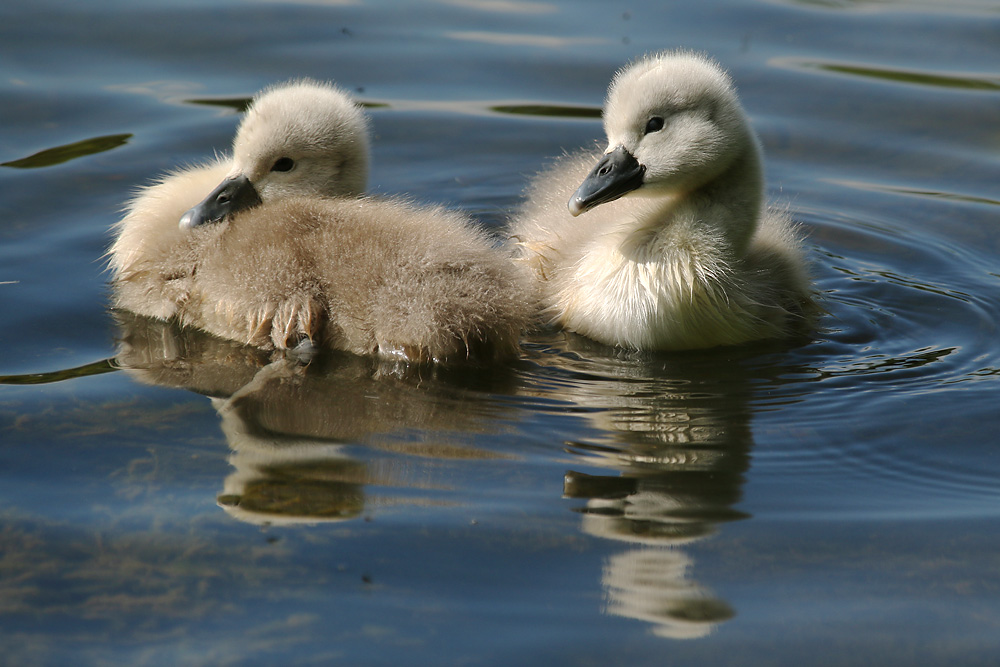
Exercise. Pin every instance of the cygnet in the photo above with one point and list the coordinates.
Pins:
(666, 242)
(276, 247)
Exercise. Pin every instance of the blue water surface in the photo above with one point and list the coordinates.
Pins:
(834, 501)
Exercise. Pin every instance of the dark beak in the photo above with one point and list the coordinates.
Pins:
(232, 196)
(617, 173)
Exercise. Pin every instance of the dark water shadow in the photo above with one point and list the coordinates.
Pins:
(900, 76)
(547, 110)
(86, 370)
(60, 154)
(241, 104)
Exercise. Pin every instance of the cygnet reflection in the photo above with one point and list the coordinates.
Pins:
(295, 431)
(675, 444)
(662, 468)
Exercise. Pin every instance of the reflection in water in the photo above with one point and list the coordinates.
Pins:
(504, 6)
(524, 39)
(915, 192)
(874, 6)
(241, 104)
(474, 107)
(676, 448)
(912, 77)
(652, 585)
(548, 110)
(237, 104)
(93, 368)
(60, 154)
(290, 426)
(288, 430)
(678, 451)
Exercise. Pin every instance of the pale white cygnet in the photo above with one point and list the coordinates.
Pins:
(275, 246)
(674, 247)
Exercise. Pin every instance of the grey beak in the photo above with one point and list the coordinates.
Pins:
(231, 196)
(616, 174)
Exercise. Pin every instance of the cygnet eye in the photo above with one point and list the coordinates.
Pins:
(655, 124)
(283, 164)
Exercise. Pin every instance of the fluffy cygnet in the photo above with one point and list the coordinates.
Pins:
(275, 246)
(674, 247)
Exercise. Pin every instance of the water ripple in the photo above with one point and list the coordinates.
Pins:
(910, 336)
(916, 192)
(912, 316)
(60, 154)
(910, 77)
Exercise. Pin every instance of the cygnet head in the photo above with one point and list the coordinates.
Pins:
(673, 123)
(303, 138)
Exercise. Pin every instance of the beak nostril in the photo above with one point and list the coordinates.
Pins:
(231, 196)
(617, 174)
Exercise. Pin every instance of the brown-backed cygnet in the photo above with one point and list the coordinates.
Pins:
(275, 246)
(673, 247)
